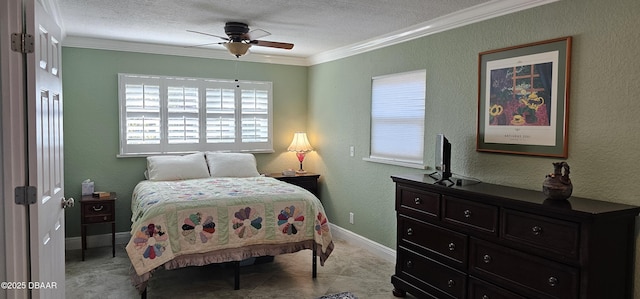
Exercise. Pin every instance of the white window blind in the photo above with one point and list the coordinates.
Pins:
(397, 117)
(161, 115)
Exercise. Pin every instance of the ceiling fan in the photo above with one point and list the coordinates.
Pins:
(240, 39)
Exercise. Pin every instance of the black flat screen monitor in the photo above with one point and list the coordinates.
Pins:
(443, 157)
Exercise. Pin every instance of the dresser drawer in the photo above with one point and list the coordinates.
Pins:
(432, 273)
(419, 203)
(439, 242)
(479, 289)
(97, 212)
(530, 274)
(470, 214)
(548, 234)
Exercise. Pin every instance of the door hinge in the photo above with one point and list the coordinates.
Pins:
(26, 195)
(22, 42)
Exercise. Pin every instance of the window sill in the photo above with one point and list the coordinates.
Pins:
(396, 163)
(144, 155)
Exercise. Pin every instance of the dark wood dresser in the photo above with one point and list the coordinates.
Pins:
(486, 241)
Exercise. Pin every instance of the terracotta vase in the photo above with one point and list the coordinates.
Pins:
(557, 185)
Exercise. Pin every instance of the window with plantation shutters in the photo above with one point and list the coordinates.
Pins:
(160, 115)
(397, 119)
(221, 109)
(255, 115)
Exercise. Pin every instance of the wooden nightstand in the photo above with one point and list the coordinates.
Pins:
(95, 210)
(307, 180)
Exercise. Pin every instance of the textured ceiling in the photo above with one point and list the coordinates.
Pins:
(313, 26)
(318, 28)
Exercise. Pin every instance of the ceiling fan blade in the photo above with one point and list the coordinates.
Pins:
(209, 34)
(256, 34)
(202, 45)
(279, 45)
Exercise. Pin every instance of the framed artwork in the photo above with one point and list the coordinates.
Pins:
(523, 99)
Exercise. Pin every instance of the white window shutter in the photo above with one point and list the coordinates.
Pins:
(255, 112)
(160, 115)
(142, 114)
(183, 115)
(220, 109)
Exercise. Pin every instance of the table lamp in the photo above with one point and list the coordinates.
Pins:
(300, 145)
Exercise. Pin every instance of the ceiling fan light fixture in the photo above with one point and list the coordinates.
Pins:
(237, 49)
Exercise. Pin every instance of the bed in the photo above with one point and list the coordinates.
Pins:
(200, 209)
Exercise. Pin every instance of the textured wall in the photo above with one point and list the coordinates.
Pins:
(603, 118)
(91, 118)
(603, 122)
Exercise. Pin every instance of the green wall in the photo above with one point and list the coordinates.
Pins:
(604, 133)
(335, 98)
(91, 137)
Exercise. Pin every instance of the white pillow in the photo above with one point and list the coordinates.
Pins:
(171, 168)
(232, 165)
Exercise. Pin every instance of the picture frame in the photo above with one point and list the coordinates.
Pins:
(523, 99)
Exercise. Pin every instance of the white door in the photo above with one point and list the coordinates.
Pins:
(32, 151)
(33, 124)
(44, 88)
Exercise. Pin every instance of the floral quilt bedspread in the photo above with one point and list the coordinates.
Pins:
(177, 218)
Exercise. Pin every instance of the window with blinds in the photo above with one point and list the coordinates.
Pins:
(160, 115)
(397, 118)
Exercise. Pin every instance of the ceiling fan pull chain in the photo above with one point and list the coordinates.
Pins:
(237, 73)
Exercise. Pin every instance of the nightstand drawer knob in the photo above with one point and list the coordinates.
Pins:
(536, 230)
(452, 246)
(98, 209)
(451, 283)
(486, 258)
(467, 214)
(417, 200)
(553, 281)
(485, 297)
(409, 232)
(409, 264)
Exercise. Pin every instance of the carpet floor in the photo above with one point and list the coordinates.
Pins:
(348, 269)
(344, 295)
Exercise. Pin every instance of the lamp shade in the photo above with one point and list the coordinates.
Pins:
(237, 48)
(300, 143)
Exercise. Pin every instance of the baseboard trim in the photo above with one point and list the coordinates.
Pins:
(375, 248)
(122, 238)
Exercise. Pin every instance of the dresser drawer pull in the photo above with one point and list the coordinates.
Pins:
(104, 218)
(451, 283)
(536, 230)
(485, 297)
(417, 200)
(96, 209)
(409, 232)
(553, 281)
(452, 246)
(467, 214)
(486, 258)
(409, 264)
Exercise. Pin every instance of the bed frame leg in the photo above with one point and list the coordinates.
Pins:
(314, 263)
(236, 275)
(144, 294)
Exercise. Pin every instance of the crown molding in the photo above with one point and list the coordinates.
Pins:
(478, 13)
(118, 45)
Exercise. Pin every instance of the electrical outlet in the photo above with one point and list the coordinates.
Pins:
(352, 151)
(351, 217)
